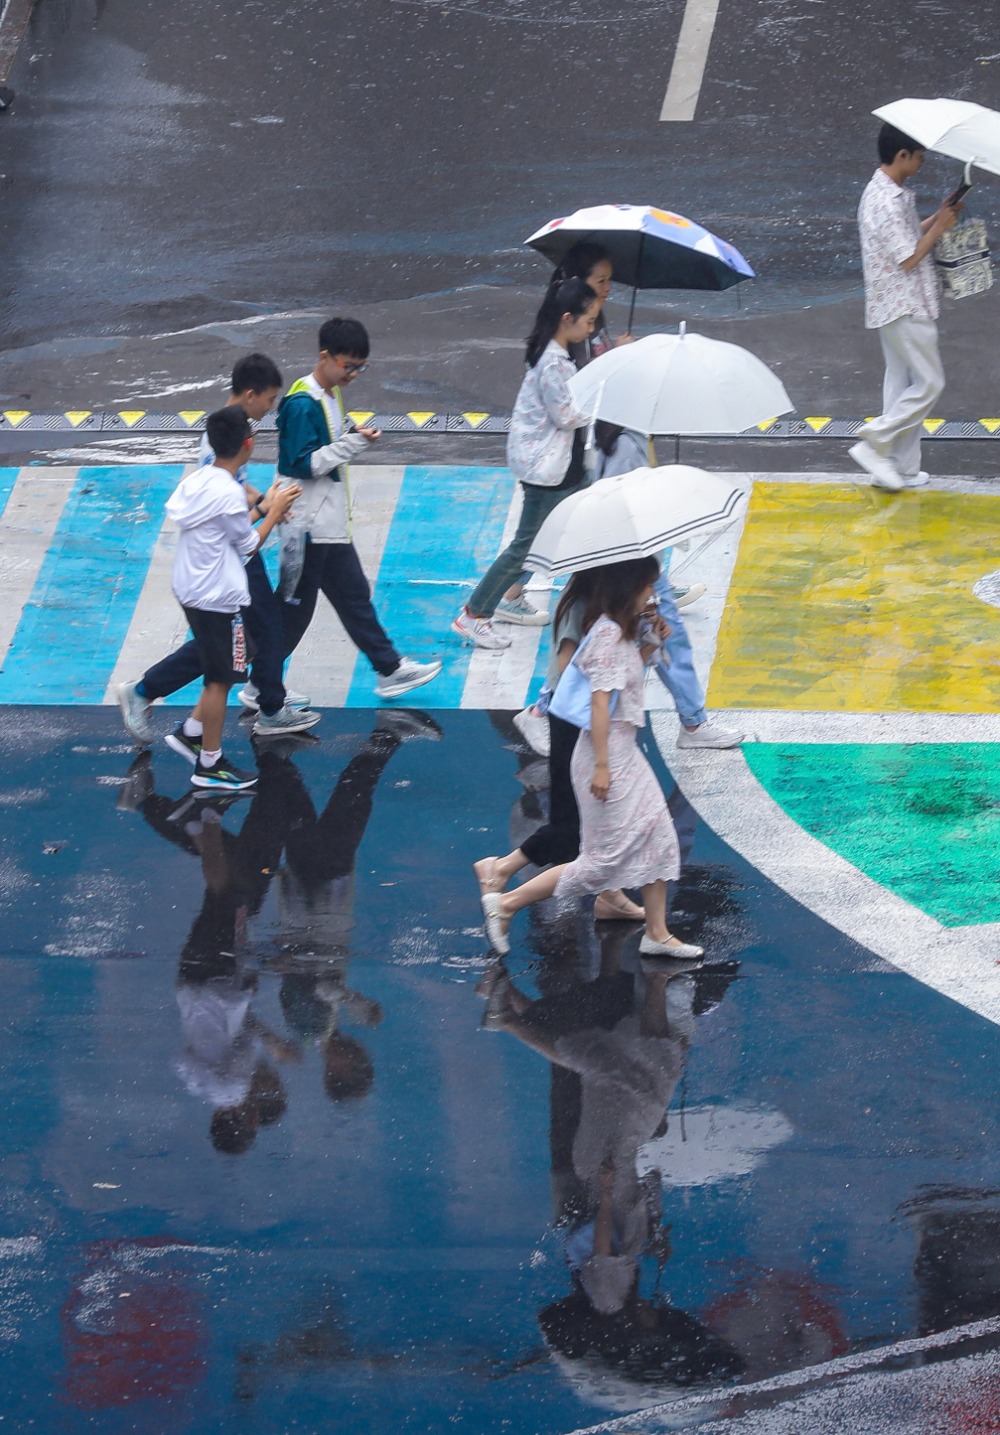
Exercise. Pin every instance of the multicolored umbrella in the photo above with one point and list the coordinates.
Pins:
(650, 248)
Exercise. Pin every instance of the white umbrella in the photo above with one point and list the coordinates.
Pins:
(632, 516)
(956, 128)
(680, 384)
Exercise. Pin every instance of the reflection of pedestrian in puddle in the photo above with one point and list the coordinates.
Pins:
(226, 1047)
(615, 1074)
(230, 1057)
(315, 891)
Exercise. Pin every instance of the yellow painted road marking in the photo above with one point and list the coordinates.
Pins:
(847, 599)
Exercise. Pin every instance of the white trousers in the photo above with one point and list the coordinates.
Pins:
(914, 381)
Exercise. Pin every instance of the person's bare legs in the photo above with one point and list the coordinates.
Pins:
(493, 873)
(211, 713)
(535, 890)
(654, 899)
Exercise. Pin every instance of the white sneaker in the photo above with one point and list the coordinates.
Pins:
(409, 675)
(709, 734)
(520, 611)
(250, 698)
(916, 480)
(285, 720)
(137, 714)
(479, 631)
(534, 728)
(883, 471)
(684, 597)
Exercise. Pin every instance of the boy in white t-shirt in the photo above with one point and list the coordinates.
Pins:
(216, 538)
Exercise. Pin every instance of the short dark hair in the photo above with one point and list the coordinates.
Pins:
(345, 336)
(891, 141)
(228, 430)
(255, 372)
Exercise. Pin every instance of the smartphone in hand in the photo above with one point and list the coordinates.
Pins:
(957, 195)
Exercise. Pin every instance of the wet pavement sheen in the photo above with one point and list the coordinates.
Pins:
(264, 1169)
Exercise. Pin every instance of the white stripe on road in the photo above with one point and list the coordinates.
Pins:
(959, 962)
(500, 678)
(158, 624)
(688, 70)
(27, 527)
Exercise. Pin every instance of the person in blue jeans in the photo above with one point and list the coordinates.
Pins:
(676, 672)
(256, 383)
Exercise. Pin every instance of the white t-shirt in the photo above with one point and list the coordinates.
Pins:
(210, 508)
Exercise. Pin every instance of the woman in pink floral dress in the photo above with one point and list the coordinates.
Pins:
(627, 838)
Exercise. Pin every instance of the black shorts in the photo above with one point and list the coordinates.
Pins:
(222, 645)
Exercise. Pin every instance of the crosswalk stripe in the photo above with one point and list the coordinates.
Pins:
(88, 581)
(501, 679)
(158, 624)
(33, 507)
(445, 533)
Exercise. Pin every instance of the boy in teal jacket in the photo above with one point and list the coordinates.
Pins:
(317, 554)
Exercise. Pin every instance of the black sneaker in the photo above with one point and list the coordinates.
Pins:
(189, 747)
(222, 776)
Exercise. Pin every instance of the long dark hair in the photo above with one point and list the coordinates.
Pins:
(614, 591)
(578, 262)
(577, 590)
(568, 296)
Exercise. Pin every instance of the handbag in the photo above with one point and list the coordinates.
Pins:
(962, 259)
(571, 699)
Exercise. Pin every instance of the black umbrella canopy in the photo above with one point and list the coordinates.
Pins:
(650, 248)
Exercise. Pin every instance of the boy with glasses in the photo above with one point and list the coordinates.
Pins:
(317, 553)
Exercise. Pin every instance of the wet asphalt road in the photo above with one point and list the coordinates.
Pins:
(168, 168)
(263, 1169)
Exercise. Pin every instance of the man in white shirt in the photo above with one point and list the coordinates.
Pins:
(216, 538)
(902, 303)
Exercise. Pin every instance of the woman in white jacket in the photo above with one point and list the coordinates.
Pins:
(544, 453)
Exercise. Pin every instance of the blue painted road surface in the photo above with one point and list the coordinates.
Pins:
(263, 1168)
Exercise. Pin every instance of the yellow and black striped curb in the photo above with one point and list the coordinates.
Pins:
(124, 421)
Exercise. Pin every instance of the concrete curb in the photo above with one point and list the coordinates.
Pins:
(125, 421)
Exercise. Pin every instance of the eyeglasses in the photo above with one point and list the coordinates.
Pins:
(351, 368)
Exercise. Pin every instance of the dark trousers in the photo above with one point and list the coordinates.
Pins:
(334, 569)
(266, 632)
(559, 839)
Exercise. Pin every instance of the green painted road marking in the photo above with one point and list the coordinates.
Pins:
(923, 819)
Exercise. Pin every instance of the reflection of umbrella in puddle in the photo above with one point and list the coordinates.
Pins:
(635, 1358)
(707, 1144)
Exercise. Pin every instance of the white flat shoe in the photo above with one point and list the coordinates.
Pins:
(495, 933)
(673, 948)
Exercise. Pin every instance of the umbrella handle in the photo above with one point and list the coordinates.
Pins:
(588, 446)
